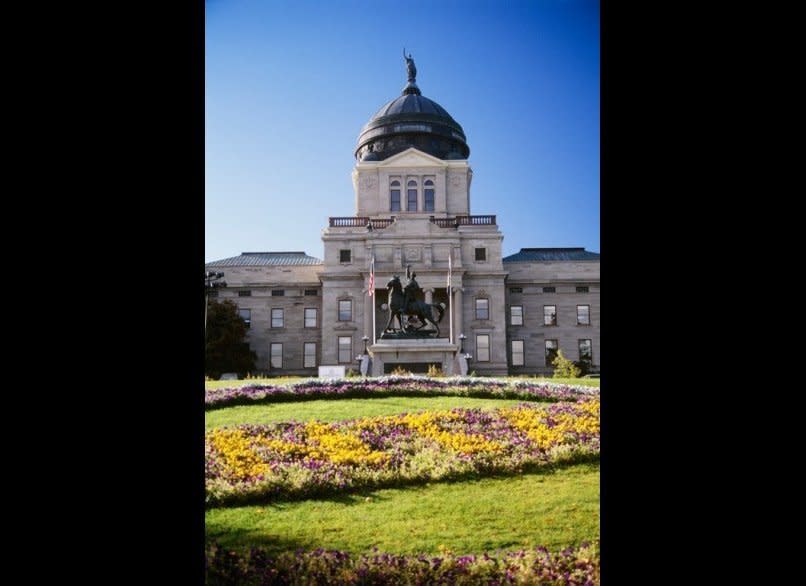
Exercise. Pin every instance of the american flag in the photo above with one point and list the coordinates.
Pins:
(371, 290)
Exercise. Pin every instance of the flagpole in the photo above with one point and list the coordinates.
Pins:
(374, 303)
(450, 294)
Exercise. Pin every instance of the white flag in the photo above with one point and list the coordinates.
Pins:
(371, 289)
(449, 271)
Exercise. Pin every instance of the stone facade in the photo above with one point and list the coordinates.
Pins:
(288, 288)
(525, 285)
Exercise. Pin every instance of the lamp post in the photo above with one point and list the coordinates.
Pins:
(363, 358)
(211, 281)
(462, 353)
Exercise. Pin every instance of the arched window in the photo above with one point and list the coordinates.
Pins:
(395, 196)
(411, 196)
(428, 196)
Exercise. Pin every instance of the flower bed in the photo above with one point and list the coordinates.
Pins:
(571, 566)
(398, 386)
(290, 460)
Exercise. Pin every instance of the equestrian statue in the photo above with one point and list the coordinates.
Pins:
(418, 314)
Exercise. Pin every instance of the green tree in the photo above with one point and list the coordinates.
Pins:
(565, 368)
(225, 348)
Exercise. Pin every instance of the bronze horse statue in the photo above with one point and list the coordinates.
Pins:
(420, 309)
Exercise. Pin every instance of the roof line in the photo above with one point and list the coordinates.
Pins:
(575, 249)
(278, 252)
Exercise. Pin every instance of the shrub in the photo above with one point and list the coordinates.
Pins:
(400, 371)
(434, 370)
(572, 565)
(565, 368)
(584, 367)
(398, 386)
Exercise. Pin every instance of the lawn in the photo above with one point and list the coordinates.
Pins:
(329, 410)
(285, 380)
(555, 509)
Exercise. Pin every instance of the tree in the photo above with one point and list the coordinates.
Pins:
(225, 348)
(564, 368)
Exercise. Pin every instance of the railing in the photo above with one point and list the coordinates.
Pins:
(464, 221)
(349, 222)
(360, 222)
(365, 221)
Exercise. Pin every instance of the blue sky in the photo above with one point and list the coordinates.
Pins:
(290, 84)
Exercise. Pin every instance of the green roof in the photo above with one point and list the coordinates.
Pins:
(552, 254)
(262, 259)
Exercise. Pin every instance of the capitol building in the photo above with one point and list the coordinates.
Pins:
(412, 182)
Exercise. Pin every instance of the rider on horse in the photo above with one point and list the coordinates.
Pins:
(410, 290)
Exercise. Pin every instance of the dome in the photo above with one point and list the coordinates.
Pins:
(411, 120)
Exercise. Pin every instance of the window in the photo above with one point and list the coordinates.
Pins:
(278, 293)
(549, 315)
(277, 318)
(583, 289)
(311, 292)
(345, 310)
(482, 308)
(549, 289)
(345, 349)
(246, 316)
(481, 254)
(516, 289)
(428, 196)
(310, 317)
(411, 196)
(276, 355)
(517, 352)
(586, 351)
(516, 315)
(551, 351)
(344, 256)
(244, 293)
(583, 315)
(394, 204)
(212, 294)
(309, 355)
(482, 348)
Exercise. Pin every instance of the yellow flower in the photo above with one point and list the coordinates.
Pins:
(236, 452)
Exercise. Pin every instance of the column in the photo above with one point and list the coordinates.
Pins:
(457, 315)
(368, 301)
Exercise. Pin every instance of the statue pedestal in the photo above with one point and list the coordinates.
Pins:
(413, 354)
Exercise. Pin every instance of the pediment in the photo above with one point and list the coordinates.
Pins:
(412, 157)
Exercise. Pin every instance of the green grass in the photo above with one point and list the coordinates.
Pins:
(556, 509)
(284, 380)
(329, 410)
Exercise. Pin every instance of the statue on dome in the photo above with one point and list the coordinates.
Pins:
(411, 69)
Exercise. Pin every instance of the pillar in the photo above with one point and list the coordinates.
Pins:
(457, 314)
(368, 301)
(429, 296)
